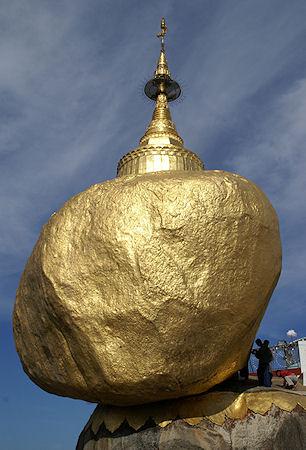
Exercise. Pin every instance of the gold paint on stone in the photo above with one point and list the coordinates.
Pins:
(148, 287)
(164, 424)
(216, 407)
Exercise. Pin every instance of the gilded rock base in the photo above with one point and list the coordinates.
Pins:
(255, 419)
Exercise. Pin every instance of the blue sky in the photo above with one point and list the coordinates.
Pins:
(71, 79)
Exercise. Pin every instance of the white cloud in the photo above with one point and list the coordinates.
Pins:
(244, 47)
(291, 334)
(276, 160)
(62, 111)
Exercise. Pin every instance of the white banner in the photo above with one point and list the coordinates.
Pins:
(302, 351)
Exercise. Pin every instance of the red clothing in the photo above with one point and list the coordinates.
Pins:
(285, 373)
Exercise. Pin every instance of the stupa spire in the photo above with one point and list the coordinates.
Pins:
(162, 65)
(161, 147)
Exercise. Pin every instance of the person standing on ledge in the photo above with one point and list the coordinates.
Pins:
(265, 357)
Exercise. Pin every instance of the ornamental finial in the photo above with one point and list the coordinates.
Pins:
(162, 82)
(162, 33)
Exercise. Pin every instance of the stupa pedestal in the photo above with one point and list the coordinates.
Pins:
(256, 419)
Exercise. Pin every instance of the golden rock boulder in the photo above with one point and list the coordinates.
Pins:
(148, 287)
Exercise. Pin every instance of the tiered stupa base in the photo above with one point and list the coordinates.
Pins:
(256, 419)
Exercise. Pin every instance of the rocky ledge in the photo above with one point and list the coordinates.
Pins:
(256, 419)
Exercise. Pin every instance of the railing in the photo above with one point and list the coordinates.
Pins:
(285, 356)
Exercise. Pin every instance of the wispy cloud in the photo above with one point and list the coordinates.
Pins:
(70, 103)
(62, 108)
(276, 159)
(242, 52)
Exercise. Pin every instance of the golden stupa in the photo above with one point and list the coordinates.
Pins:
(152, 285)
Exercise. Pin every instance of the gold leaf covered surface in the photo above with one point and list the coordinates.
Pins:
(148, 287)
(213, 406)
